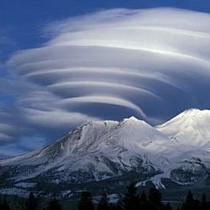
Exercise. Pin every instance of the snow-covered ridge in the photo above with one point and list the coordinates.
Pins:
(191, 128)
(189, 116)
(99, 150)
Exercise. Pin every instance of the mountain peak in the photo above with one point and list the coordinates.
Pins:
(190, 127)
(133, 121)
(189, 116)
(112, 123)
(194, 111)
(96, 123)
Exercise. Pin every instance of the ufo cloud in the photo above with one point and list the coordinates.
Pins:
(152, 63)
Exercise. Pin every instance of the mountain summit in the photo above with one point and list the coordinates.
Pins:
(191, 128)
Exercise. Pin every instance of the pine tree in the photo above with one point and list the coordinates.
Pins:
(155, 199)
(131, 199)
(54, 205)
(5, 206)
(86, 202)
(204, 203)
(190, 202)
(168, 206)
(143, 198)
(31, 202)
(155, 196)
(144, 202)
(118, 207)
(103, 203)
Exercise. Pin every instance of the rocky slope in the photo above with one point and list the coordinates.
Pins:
(111, 153)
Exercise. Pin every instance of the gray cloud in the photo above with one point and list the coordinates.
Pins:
(150, 63)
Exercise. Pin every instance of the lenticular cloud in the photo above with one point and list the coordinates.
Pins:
(149, 63)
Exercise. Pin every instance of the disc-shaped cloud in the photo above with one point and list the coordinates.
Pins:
(152, 63)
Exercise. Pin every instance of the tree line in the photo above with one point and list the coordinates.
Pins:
(131, 200)
(31, 203)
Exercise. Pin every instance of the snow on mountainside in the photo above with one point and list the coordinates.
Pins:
(102, 149)
(190, 131)
(191, 127)
(105, 150)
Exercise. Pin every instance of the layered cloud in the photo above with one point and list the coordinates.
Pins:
(149, 63)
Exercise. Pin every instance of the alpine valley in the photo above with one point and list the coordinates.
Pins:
(108, 155)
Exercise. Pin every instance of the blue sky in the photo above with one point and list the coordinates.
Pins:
(35, 109)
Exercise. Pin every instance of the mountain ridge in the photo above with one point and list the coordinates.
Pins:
(100, 151)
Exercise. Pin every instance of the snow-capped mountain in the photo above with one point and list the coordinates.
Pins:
(113, 152)
(100, 149)
(191, 127)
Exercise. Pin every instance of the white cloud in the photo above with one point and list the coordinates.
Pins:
(152, 62)
(4, 137)
(103, 100)
(55, 118)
